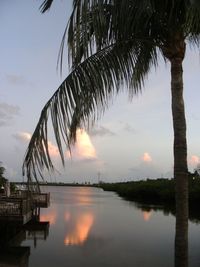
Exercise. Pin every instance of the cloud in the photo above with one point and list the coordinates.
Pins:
(195, 117)
(129, 128)
(194, 160)
(15, 79)
(25, 137)
(53, 150)
(146, 157)
(144, 170)
(101, 131)
(83, 149)
(7, 113)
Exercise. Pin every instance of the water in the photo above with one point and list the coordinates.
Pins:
(90, 227)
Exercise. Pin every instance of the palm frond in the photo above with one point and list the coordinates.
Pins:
(111, 43)
(192, 25)
(94, 25)
(83, 96)
(46, 5)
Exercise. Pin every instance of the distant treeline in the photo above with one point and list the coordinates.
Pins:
(154, 191)
(56, 184)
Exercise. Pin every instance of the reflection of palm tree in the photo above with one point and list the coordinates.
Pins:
(112, 44)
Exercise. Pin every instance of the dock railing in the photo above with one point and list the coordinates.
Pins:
(41, 200)
(15, 209)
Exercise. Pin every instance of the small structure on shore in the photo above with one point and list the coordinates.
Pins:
(20, 220)
(21, 205)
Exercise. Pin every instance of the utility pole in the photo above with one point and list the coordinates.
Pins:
(98, 175)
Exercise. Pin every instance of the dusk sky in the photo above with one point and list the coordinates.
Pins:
(133, 140)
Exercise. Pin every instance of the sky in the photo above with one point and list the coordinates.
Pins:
(133, 140)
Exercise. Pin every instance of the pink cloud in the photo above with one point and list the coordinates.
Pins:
(146, 157)
(53, 150)
(25, 137)
(194, 160)
(83, 149)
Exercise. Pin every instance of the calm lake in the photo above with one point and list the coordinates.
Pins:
(90, 227)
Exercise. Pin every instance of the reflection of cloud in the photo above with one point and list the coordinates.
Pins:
(25, 137)
(146, 157)
(83, 149)
(146, 215)
(80, 229)
(67, 216)
(83, 196)
(101, 131)
(7, 112)
(49, 217)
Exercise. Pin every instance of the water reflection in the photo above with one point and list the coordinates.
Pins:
(67, 216)
(50, 215)
(83, 195)
(146, 215)
(15, 257)
(194, 214)
(79, 228)
(79, 221)
(181, 229)
(12, 235)
(95, 228)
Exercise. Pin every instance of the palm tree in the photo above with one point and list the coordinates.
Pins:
(113, 44)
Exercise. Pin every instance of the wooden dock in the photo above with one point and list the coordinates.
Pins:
(36, 230)
(41, 200)
(15, 209)
(20, 207)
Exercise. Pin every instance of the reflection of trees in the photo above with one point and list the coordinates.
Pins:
(194, 215)
(181, 231)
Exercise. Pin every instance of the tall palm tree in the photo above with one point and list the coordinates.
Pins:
(113, 44)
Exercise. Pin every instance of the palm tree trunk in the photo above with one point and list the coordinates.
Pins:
(180, 164)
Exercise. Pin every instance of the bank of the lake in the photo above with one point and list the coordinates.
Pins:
(154, 191)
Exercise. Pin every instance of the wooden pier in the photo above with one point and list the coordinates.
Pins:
(36, 230)
(20, 207)
(15, 209)
(41, 200)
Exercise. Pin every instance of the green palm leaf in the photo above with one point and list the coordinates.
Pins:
(84, 95)
(112, 43)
